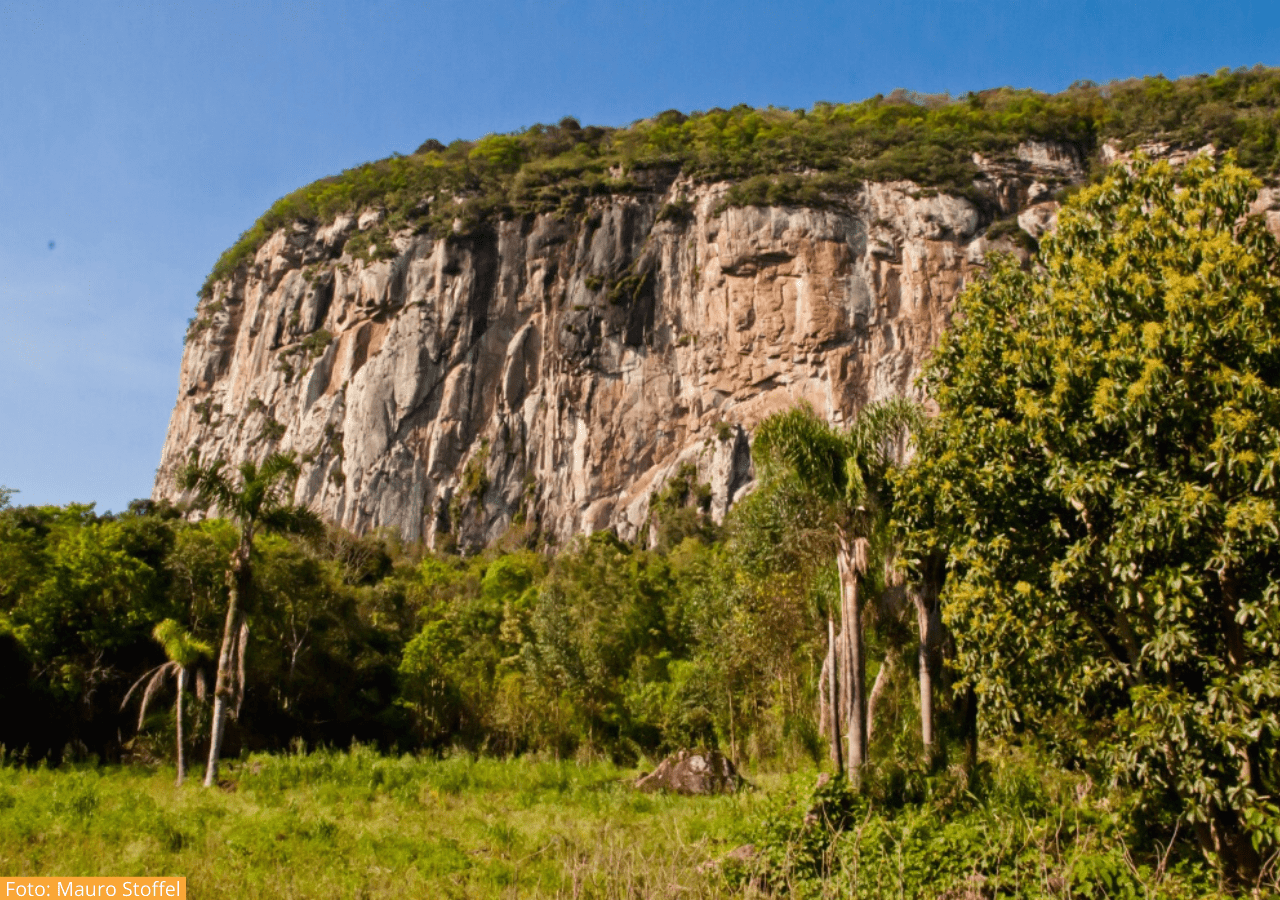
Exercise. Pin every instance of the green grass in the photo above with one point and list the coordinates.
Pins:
(357, 824)
(332, 824)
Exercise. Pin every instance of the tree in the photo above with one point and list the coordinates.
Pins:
(259, 502)
(184, 651)
(1103, 476)
(6, 494)
(845, 473)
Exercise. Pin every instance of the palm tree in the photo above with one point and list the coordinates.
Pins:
(259, 502)
(184, 651)
(845, 473)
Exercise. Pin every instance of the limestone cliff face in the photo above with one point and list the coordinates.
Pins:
(558, 371)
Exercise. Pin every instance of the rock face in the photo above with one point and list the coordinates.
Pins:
(560, 371)
(693, 773)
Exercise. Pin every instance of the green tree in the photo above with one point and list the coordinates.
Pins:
(184, 651)
(6, 494)
(425, 684)
(258, 502)
(1103, 473)
(845, 474)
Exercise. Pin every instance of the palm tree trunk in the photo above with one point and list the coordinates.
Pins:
(224, 687)
(929, 628)
(833, 695)
(878, 687)
(852, 561)
(182, 759)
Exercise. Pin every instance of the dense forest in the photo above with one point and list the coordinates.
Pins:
(1073, 552)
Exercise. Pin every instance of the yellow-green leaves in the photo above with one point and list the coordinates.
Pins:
(1104, 470)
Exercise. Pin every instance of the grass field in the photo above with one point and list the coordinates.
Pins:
(357, 824)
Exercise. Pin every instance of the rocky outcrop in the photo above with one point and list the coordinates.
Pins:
(692, 773)
(559, 371)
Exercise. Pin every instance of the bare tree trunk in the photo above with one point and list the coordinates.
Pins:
(824, 696)
(969, 728)
(733, 738)
(852, 562)
(926, 598)
(926, 650)
(238, 580)
(182, 758)
(844, 683)
(833, 695)
(877, 693)
(242, 646)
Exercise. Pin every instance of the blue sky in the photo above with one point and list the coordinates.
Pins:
(137, 140)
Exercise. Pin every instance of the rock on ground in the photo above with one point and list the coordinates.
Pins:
(692, 772)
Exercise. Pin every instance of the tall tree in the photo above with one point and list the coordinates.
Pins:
(1104, 473)
(845, 473)
(258, 502)
(184, 651)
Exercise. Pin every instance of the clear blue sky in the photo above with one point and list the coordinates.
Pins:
(137, 140)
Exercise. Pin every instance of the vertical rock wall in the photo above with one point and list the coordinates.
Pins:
(559, 371)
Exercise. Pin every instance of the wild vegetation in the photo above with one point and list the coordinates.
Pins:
(1079, 550)
(780, 156)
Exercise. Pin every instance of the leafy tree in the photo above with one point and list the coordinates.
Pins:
(258, 502)
(845, 473)
(74, 594)
(600, 614)
(6, 494)
(1103, 473)
(426, 686)
(184, 651)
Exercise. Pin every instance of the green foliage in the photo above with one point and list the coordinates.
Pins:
(1103, 472)
(79, 594)
(678, 211)
(774, 156)
(1020, 830)
(317, 342)
(680, 509)
(180, 646)
(1009, 228)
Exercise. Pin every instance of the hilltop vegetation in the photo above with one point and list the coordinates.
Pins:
(781, 156)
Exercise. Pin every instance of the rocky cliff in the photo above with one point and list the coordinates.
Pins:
(558, 370)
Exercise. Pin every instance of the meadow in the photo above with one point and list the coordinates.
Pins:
(359, 824)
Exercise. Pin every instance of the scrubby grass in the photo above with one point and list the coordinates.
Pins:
(356, 824)
(333, 824)
(1019, 828)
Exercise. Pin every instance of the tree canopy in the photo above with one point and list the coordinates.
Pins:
(1103, 472)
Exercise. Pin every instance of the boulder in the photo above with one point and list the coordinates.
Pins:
(692, 772)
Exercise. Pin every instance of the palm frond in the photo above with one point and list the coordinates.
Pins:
(210, 484)
(180, 645)
(278, 468)
(299, 520)
(799, 441)
(133, 687)
(153, 686)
